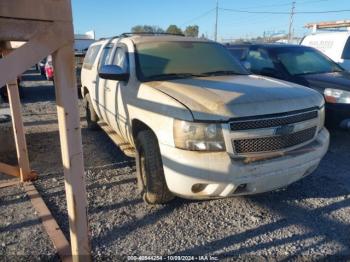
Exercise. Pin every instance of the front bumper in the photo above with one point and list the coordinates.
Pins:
(224, 176)
(337, 113)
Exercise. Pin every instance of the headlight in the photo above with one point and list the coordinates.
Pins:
(337, 96)
(198, 136)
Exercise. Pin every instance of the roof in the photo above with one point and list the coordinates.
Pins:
(329, 24)
(137, 39)
(263, 45)
(330, 33)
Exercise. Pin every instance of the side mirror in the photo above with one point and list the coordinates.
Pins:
(247, 65)
(113, 72)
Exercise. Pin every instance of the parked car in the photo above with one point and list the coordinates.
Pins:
(305, 66)
(41, 65)
(49, 73)
(201, 125)
(336, 45)
(49, 70)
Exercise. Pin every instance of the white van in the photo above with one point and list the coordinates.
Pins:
(336, 45)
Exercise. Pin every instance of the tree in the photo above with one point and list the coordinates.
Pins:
(173, 29)
(192, 30)
(147, 29)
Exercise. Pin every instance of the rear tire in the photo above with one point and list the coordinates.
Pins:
(91, 116)
(150, 173)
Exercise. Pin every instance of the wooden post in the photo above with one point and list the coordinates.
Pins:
(18, 131)
(71, 147)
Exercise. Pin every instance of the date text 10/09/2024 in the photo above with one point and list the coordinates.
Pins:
(172, 258)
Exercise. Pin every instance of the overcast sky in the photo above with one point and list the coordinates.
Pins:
(112, 17)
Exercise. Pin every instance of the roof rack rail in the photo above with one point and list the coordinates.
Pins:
(138, 33)
(149, 33)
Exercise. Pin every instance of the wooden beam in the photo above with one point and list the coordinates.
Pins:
(9, 170)
(41, 45)
(9, 183)
(59, 10)
(52, 228)
(72, 151)
(18, 131)
(21, 30)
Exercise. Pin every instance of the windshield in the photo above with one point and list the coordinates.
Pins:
(302, 61)
(177, 59)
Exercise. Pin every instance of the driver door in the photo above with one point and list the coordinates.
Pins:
(116, 113)
(101, 83)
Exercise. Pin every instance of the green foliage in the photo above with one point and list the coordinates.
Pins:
(192, 31)
(147, 29)
(173, 29)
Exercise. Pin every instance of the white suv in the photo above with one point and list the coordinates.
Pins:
(202, 126)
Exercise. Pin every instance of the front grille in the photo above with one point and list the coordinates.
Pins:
(272, 122)
(265, 144)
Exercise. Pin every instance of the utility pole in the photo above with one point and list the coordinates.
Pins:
(292, 13)
(216, 21)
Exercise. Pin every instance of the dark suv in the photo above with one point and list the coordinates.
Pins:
(305, 66)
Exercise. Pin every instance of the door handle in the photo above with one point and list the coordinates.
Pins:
(94, 82)
(107, 88)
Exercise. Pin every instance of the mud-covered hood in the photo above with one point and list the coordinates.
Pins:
(224, 97)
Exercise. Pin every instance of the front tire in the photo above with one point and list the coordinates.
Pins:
(91, 116)
(150, 171)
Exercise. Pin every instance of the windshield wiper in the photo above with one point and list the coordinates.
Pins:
(318, 73)
(170, 76)
(219, 73)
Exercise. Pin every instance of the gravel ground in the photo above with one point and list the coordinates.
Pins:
(22, 237)
(308, 220)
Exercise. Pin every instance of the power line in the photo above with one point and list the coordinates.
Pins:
(310, 2)
(262, 6)
(198, 17)
(283, 4)
(284, 13)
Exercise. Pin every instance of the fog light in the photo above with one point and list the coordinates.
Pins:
(198, 188)
(240, 189)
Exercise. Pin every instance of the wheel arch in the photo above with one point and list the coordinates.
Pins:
(138, 126)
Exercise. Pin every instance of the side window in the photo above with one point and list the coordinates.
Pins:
(90, 56)
(106, 55)
(239, 53)
(346, 52)
(259, 61)
(121, 58)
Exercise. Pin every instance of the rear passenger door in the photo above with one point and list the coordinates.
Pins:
(89, 72)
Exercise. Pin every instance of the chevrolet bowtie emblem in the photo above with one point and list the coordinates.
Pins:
(284, 130)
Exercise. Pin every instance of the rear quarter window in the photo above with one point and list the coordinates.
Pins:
(90, 56)
(346, 51)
